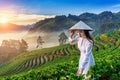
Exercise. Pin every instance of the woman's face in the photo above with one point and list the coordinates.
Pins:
(80, 33)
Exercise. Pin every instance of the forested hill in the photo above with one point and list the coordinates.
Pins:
(96, 21)
(107, 27)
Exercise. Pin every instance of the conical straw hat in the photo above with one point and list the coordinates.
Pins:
(81, 26)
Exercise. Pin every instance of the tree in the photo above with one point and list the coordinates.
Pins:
(15, 44)
(39, 41)
(5, 43)
(24, 46)
(62, 38)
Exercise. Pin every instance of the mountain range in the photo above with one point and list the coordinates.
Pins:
(97, 21)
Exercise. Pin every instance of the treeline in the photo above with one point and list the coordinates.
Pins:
(11, 48)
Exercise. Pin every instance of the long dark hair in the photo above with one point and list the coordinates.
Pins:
(89, 37)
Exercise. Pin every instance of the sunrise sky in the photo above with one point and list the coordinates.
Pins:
(25, 12)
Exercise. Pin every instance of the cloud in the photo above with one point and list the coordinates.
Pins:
(22, 15)
(116, 6)
(25, 19)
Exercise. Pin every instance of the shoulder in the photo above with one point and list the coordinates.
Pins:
(89, 42)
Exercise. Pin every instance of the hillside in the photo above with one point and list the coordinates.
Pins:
(107, 27)
(63, 22)
(60, 62)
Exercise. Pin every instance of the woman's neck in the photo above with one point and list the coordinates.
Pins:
(83, 36)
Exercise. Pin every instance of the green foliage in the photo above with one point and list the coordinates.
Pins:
(61, 63)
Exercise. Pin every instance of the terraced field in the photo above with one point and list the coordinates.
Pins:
(28, 62)
(61, 62)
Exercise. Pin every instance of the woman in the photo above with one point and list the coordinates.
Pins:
(85, 45)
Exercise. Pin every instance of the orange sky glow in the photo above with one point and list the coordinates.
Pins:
(11, 15)
(22, 19)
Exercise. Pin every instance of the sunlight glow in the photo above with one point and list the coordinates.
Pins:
(3, 20)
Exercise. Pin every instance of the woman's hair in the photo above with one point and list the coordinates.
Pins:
(89, 37)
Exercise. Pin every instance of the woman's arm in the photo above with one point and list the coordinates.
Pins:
(71, 39)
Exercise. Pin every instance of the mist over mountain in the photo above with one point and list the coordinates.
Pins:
(50, 28)
(10, 27)
(63, 22)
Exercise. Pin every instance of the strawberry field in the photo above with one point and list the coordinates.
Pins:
(61, 62)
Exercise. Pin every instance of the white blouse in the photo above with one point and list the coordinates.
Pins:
(86, 57)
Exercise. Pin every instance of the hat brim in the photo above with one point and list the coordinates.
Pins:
(81, 29)
(81, 26)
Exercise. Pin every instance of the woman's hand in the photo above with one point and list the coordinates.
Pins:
(79, 72)
(71, 33)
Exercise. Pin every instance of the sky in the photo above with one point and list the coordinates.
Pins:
(30, 11)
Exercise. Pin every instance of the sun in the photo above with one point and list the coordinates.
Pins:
(3, 20)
